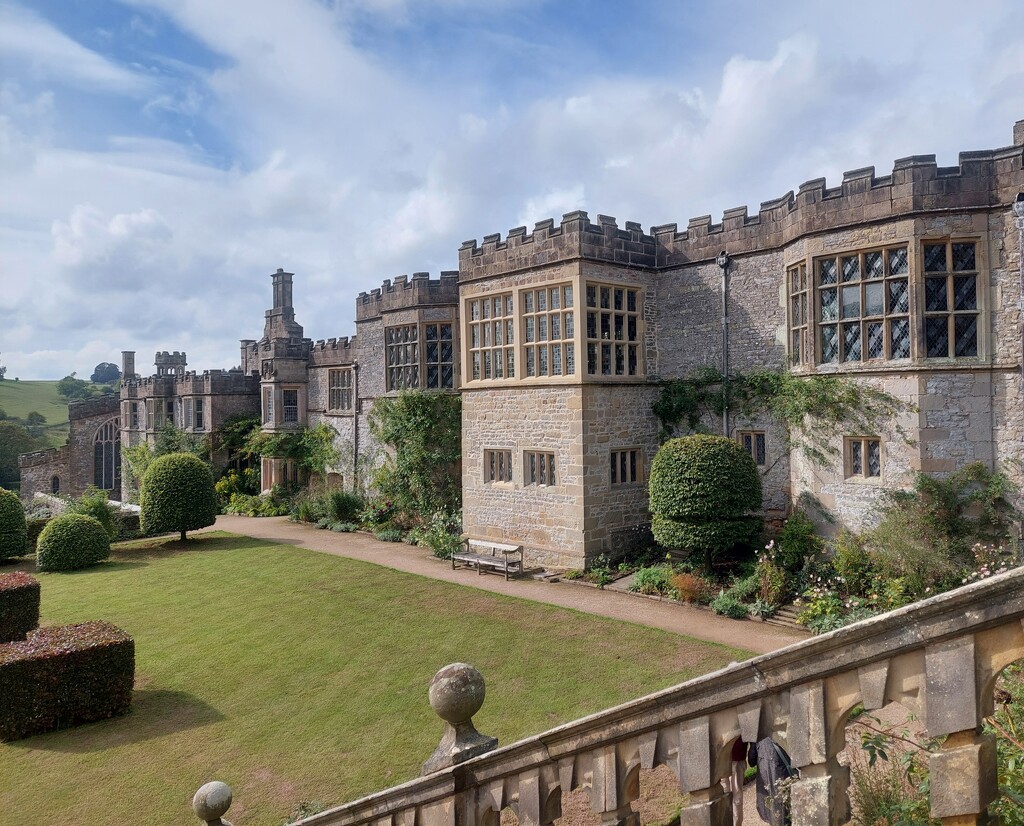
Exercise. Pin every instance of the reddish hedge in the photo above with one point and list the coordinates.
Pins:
(62, 677)
(19, 605)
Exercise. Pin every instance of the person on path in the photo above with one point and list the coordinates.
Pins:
(773, 766)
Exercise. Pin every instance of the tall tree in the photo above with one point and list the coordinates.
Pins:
(105, 373)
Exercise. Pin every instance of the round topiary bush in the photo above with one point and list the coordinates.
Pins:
(71, 541)
(13, 533)
(177, 494)
(705, 494)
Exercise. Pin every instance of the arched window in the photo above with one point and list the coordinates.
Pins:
(107, 456)
(55, 485)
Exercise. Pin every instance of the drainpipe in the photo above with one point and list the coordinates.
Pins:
(355, 426)
(723, 261)
(1018, 211)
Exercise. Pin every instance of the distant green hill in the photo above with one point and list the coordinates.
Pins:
(19, 398)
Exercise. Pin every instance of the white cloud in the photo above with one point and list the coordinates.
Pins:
(346, 169)
(44, 53)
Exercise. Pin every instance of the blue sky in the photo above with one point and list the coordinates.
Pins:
(159, 158)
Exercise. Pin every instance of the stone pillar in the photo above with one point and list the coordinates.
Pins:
(964, 772)
(819, 797)
(710, 804)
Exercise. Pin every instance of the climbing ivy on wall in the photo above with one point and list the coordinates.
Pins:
(423, 433)
(809, 410)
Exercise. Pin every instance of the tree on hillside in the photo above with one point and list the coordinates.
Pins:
(105, 373)
(3, 371)
(177, 495)
(15, 439)
(35, 422)
(71, 389)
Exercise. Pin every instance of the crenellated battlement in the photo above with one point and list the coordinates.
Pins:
(191, 384)
(99, 406)
(333, 352)
(403, 292)
(575, 237)
(917, 184)
(38, 458)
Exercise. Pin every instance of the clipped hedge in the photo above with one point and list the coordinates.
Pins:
(703, 492)
(62, 677)
(177, 495)
(71, 541)
(13, 534)
(34, 526)
(19, 605)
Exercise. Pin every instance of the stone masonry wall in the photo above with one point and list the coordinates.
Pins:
(548, 521)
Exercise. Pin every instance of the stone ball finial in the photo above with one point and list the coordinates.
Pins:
(212, 801)
(457, 693)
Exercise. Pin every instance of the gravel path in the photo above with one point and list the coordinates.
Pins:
(698, 623)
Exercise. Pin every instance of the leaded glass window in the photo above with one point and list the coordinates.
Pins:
(950, 299)
(339, 389)
(492, 337)
(863, 306)
(403, 359)
(755, 443)
(863, 457)
(438, 356)
(613, 330)
(549, 329)
(538, 468)
(625, 467)
(800, 348)
(497, 465)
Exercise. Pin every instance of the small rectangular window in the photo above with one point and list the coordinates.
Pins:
(200, 422)
(268, 405)
(169, 412)
(538, 468)
(134, 407)
(625, 466)
(497, 465)
(339, 389)
(290, 405)
(863, 457)
(188, 413)
(754, 443)
(150, 415)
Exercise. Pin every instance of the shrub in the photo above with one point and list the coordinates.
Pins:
(443, 534)
(177, 495)
(692, 588)
(19, 605)
(61, 677)
(772, 581)
(702, 492)
(796, 541)
(344, 527)
(323, 524)
(343, 506)
(656, 579)
(13, 532)
(743, 590)
(389, 535)
(377, 511)
(266, 504)
(728, 607)
(72, 541)
(95, 503)
(233, 481)
(34, 526)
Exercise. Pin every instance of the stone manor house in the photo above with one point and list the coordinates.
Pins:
(557, 340)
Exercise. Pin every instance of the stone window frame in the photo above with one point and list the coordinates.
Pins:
(857, 465)
(290, 413)
(883, 268)
(267, 405)
(200, 419)
(339, 390)
(951, 273)
(545, 309)
(497, 467)
(407, 361)
(539, 469)
(133, 415)
(754, 442)
(150, 414)
(594, 345)
(625, 466)
(801, 310)
(107, 455)
(188, 422)
(490, 336)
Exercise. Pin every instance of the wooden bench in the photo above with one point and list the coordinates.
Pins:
(492, 556)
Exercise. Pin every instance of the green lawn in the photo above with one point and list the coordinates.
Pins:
(293, 675)
(19, 398)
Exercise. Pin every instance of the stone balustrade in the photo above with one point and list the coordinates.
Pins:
(939, 658)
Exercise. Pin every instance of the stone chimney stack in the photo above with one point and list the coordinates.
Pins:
(127, 364)
(1018, 133)
(280, 319)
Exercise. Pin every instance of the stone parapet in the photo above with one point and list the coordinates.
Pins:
(404, 292)
(38, 458)
(333, 352)
(917, 185)
(87, 408)
(575, 237)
